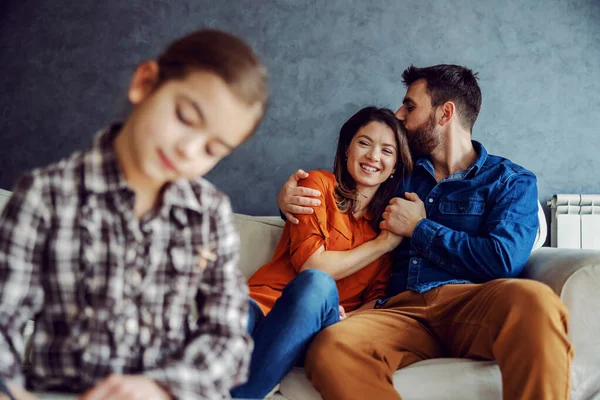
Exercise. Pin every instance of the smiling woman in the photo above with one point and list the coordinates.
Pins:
(363, 138)
(334, 260)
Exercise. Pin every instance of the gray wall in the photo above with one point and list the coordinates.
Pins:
(66, 64)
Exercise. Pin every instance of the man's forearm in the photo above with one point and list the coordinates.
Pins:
(500, 254)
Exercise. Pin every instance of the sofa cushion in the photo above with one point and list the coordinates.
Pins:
(260, 236)
(440, 378)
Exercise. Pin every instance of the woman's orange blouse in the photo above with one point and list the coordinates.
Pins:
(328, 227)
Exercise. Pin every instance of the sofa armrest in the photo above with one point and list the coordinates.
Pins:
(574, 275)
(554, 266)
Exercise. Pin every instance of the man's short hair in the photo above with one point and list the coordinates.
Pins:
(447, 82)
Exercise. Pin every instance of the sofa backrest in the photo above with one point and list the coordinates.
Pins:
(4, 196)
(259, 236)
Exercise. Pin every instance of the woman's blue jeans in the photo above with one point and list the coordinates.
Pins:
(307, 305)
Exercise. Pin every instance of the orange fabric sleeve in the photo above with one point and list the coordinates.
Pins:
(311, 232)
(377, 288)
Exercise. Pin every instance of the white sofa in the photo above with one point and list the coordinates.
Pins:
(573, 274)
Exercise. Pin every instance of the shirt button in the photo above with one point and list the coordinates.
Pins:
(130, 255)
(83, 340)
(175, 322)
(144, 336)
(131, 326)
(415, 262)
(430, 200)
(146, 317)
(359, 233)
(89, 312)
(135, 279)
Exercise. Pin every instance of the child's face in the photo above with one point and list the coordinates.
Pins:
(185, 127)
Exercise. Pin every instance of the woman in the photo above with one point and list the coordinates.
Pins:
(334, 260)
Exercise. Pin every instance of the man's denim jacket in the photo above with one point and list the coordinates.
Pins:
(481, 225)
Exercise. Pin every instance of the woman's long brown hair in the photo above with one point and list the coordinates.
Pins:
(345, 190)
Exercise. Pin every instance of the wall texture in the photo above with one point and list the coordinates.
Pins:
(66, 64)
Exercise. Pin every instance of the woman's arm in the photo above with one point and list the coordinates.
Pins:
(340, 264)
(310, 238)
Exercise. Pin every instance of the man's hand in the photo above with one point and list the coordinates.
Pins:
(293, 199)
(127, 387)
(402, 216)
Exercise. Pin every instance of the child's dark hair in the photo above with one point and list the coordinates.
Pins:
(223, 54)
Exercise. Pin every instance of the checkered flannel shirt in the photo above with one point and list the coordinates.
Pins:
(112, 294)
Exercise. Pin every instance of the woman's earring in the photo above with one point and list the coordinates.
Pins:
(391, 176)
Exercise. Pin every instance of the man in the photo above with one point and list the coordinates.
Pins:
(470, 220)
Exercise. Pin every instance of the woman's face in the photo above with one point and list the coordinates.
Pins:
(372, 155)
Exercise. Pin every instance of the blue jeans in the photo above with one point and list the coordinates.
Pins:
(307, 305)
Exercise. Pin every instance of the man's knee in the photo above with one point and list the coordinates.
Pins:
(533, 303)
(328, 345)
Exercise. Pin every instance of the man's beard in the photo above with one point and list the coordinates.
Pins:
(424, 139)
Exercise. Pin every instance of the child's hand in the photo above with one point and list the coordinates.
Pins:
(17, 392)
(127, 387)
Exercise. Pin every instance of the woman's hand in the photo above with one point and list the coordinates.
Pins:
(390, 240)
(343, 314)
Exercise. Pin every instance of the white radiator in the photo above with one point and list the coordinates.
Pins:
(575, 221)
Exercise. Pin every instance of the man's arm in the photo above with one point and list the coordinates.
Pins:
(500, 252)
(293, 199)
(340, 264)
(309, 240)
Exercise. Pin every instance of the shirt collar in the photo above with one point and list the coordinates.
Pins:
(102, 172)
(482, 154)
(181, 194)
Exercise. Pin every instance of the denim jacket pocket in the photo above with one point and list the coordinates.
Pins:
(465, 215)
(462, 207)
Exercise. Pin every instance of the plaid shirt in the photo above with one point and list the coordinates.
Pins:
(113, 294)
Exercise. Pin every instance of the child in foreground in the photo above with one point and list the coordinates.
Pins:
(111, 249)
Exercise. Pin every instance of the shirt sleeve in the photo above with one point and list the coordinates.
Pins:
(312, 231)
(23, 229)
(502, 251)
(378, 286)
(217, 356)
